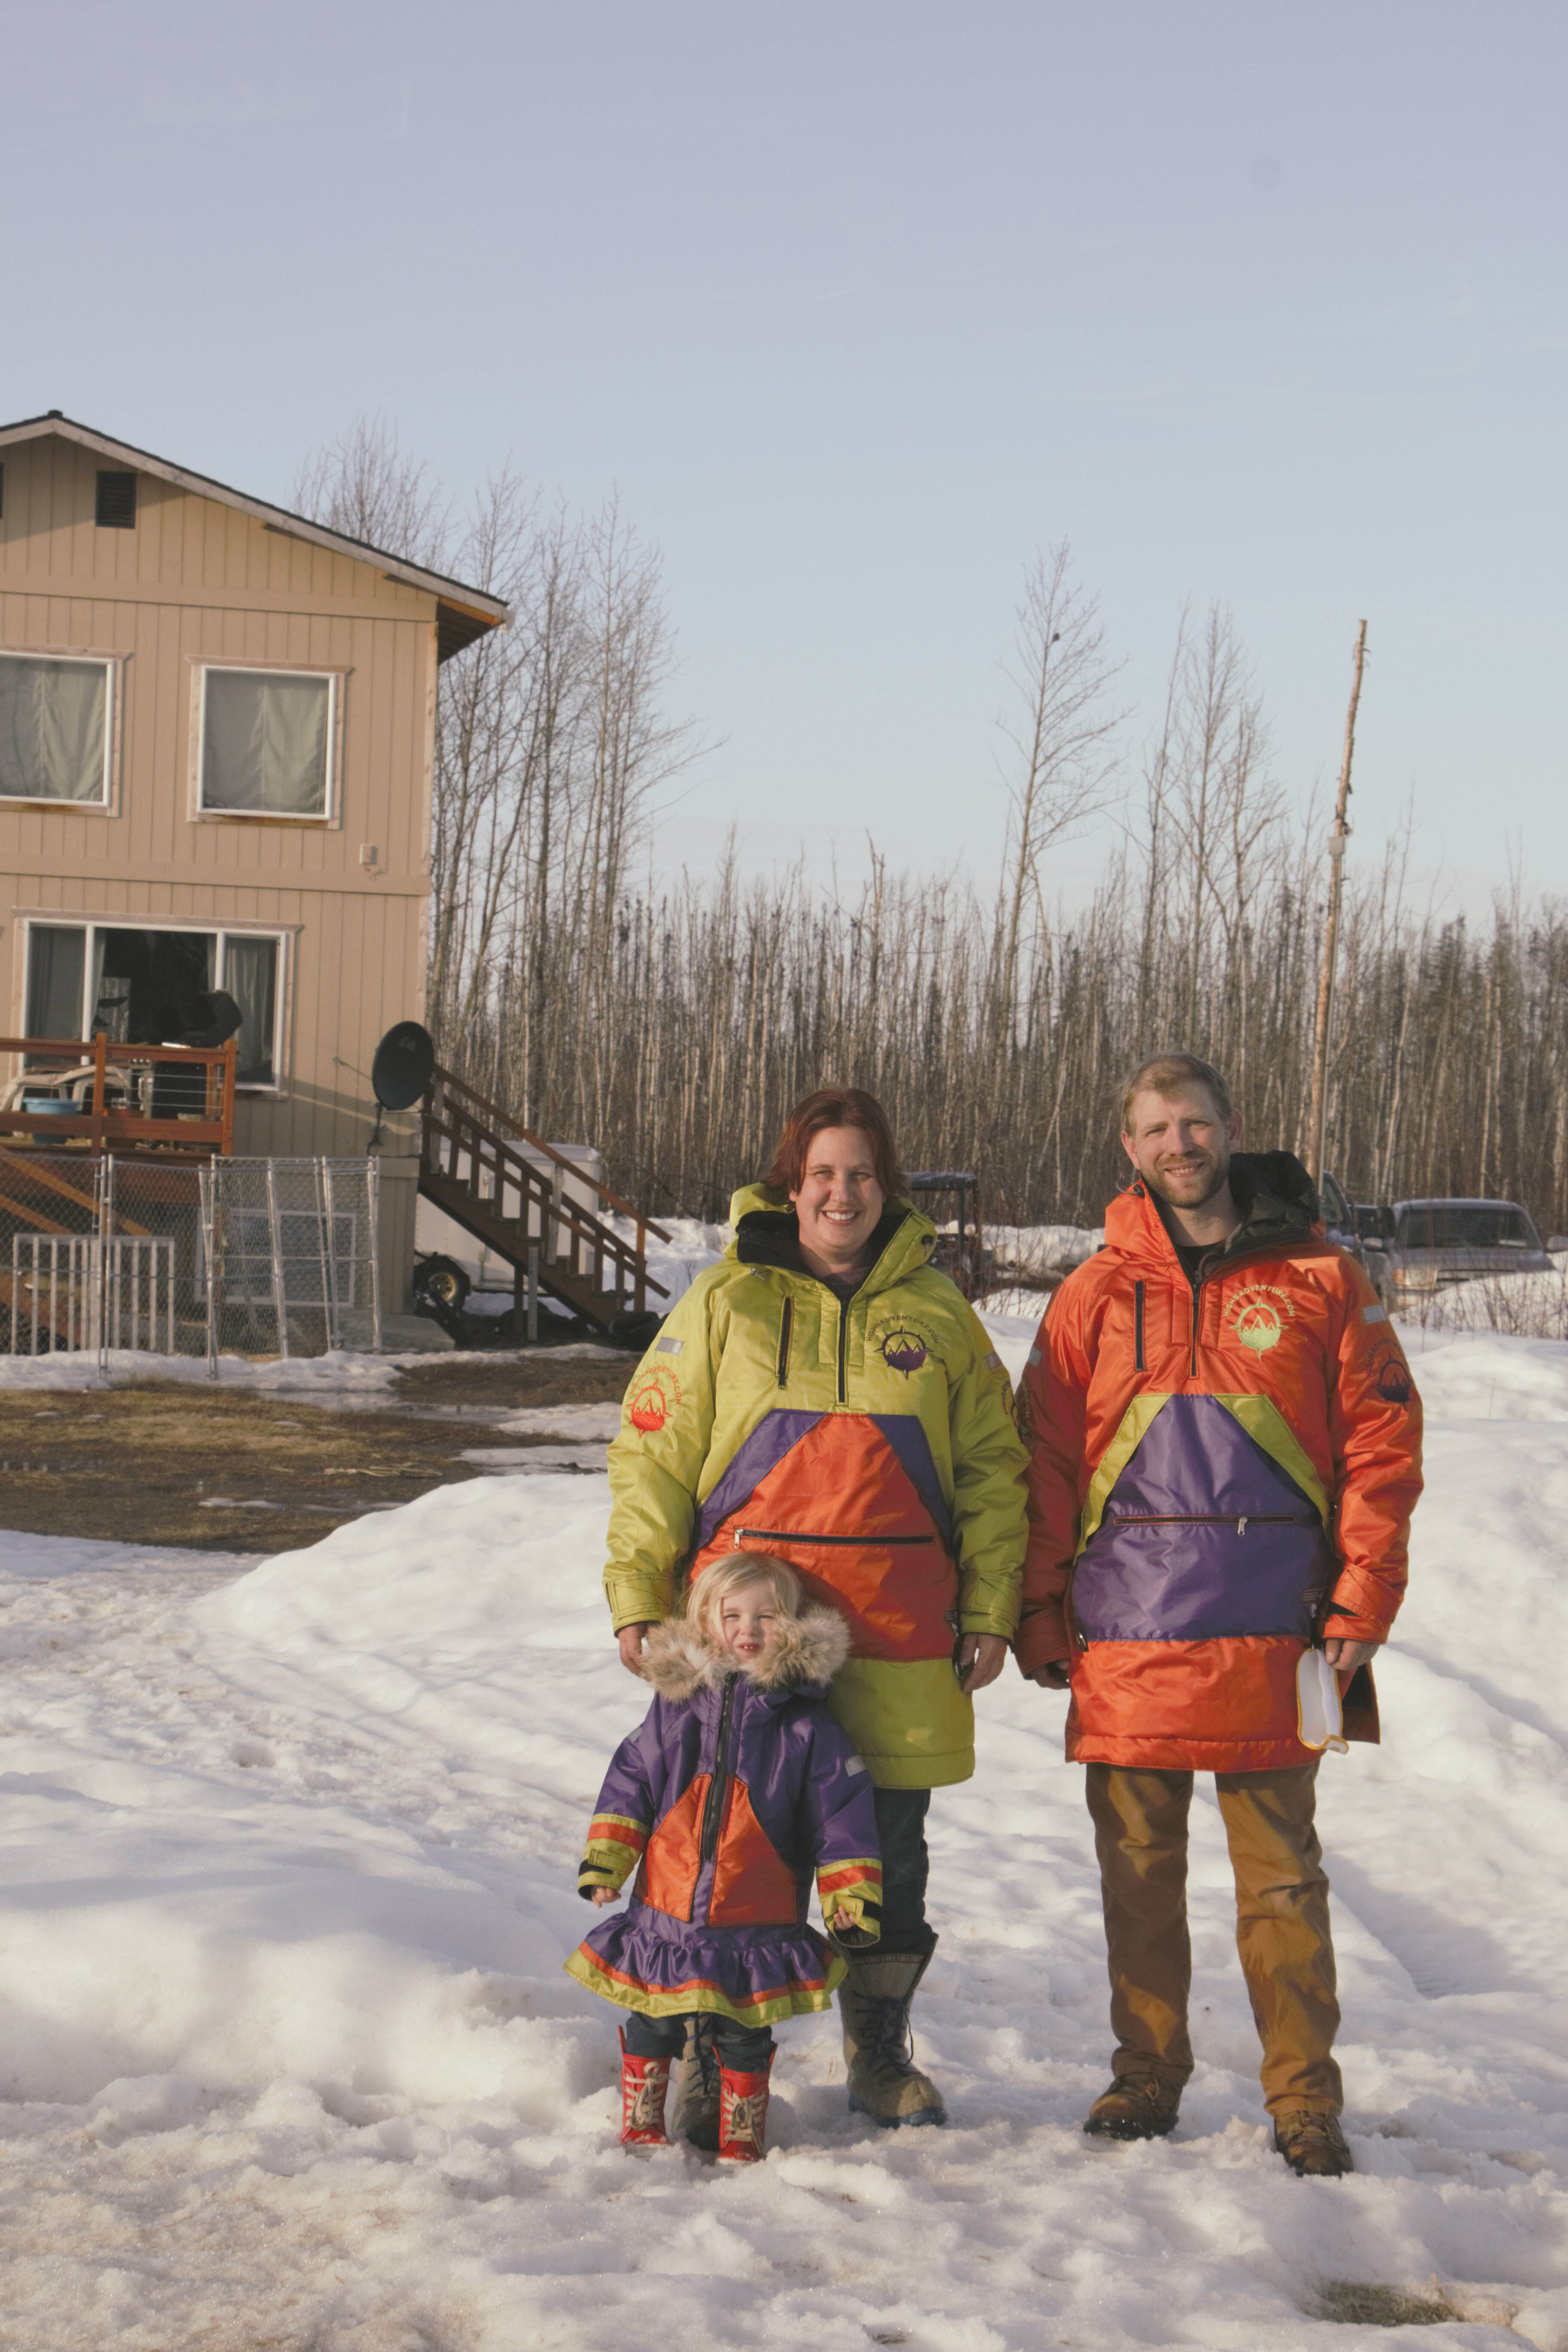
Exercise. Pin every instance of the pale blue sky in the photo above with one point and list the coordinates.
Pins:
(857, 306)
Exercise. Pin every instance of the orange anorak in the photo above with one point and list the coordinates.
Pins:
(1218, 1479)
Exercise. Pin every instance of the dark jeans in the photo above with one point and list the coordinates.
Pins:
(906, 1865)
(741, 2049)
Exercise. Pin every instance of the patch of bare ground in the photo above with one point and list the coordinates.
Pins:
(1356, 2304)
(547, 1376)
(227, 1470)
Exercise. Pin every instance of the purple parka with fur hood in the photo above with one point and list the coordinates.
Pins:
(737, 1786)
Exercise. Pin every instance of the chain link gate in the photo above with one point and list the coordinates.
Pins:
(289, 1257)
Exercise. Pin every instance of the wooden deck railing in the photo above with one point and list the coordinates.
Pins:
(122, 1096)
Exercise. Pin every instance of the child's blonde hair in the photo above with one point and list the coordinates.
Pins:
(714, 1587)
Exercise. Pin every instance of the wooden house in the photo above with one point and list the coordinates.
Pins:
(217, 748)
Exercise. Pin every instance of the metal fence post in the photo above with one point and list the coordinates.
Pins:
(207, 1181)
(279, 1299)
(373, 1194)
(105, 1228)
(330, 1251)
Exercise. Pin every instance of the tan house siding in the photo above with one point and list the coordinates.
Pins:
(198, 582)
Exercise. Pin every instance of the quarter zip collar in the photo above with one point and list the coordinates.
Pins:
(767, 1234)
(1278, 1201)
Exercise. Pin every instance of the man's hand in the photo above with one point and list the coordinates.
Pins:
(1056, 1676)
(980, 1658)
(1346, 1656)
(631, 1638)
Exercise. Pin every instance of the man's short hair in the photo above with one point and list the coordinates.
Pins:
(1172, 1074)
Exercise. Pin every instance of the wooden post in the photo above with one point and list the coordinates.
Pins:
(640, 1292)
(1318, 1107)
(99, 1072)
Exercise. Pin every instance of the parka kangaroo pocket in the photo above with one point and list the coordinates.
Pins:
(896, 1593)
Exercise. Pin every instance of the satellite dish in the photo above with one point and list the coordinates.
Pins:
(210, 1019)
(404, 1065)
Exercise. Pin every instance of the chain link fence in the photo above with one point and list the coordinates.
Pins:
(292, 1248)
(263, 1257)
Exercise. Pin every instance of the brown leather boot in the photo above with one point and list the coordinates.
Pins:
(1311, 2143)
(874, 2005)
(1136, 2106)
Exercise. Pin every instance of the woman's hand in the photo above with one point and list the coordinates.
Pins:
(631, 1638)
(602, 1894)
(980, 1658)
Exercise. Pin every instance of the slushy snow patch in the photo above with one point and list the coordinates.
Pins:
(288, 2059)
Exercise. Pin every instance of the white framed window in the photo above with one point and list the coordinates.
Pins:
(136, 982)
(56, 726)
(267, 742)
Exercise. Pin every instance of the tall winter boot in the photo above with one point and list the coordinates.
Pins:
(644, 2082)
(743, 2114)
(874, 2004)
(696, 2094)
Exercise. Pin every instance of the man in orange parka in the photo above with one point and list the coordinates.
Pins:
(1225, 1453)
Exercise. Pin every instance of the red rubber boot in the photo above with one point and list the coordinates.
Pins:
(644, 2084)
(743, 2114)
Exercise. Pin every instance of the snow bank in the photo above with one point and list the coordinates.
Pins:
(342, 1371)
(288, 1874)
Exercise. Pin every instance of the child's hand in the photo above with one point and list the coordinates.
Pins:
(602, 1894)
(841, 1920)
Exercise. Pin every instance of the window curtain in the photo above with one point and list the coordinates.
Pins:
(53, 717)
(57, 958)
(250, 977)
(265, 743)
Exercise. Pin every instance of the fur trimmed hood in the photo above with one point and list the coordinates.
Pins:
(808, 1653)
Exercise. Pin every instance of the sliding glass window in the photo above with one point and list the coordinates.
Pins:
(138, 985)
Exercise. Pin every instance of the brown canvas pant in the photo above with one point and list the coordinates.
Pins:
(1281, 1924)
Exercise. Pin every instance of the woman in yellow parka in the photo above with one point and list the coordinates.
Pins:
(827, 1397)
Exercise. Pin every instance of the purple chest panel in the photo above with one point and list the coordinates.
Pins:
(1204, 1536)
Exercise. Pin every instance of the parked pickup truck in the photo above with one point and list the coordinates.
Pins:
(1422, 1246)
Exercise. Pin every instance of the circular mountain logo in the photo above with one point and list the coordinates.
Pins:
(1259, 1315)
(903, 1350)
(1258, 1328)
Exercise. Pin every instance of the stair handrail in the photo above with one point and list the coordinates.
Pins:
(570, 1214)
(444, 1078)
(531, 1183)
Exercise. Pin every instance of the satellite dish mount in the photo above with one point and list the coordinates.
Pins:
(404, 1065)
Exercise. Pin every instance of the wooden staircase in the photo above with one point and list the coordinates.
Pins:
(507, 1187)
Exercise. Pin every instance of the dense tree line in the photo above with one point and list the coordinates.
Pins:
(672, 1027)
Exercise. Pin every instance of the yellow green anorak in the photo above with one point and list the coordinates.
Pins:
(871, 1446)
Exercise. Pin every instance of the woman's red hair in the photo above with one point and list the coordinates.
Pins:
(836, 1106)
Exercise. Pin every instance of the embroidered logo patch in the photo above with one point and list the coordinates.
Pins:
(1259, 1315)
(903, 1344)
(1394, 1382)
(656, 1396)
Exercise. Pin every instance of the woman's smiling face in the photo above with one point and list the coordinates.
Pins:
(840, 1199)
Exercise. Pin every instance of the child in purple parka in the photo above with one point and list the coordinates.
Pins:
(737, 1785)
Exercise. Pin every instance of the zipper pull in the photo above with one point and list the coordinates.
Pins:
(1241, 1527)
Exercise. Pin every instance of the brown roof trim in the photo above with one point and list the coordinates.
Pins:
(466, 614)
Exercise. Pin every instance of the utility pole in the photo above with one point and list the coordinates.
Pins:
(1317, 1112)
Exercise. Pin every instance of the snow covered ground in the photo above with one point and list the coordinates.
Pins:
(288, 2061)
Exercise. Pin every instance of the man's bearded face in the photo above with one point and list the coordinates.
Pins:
(1180, 1146)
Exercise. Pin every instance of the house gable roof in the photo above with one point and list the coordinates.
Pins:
(463, 612)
